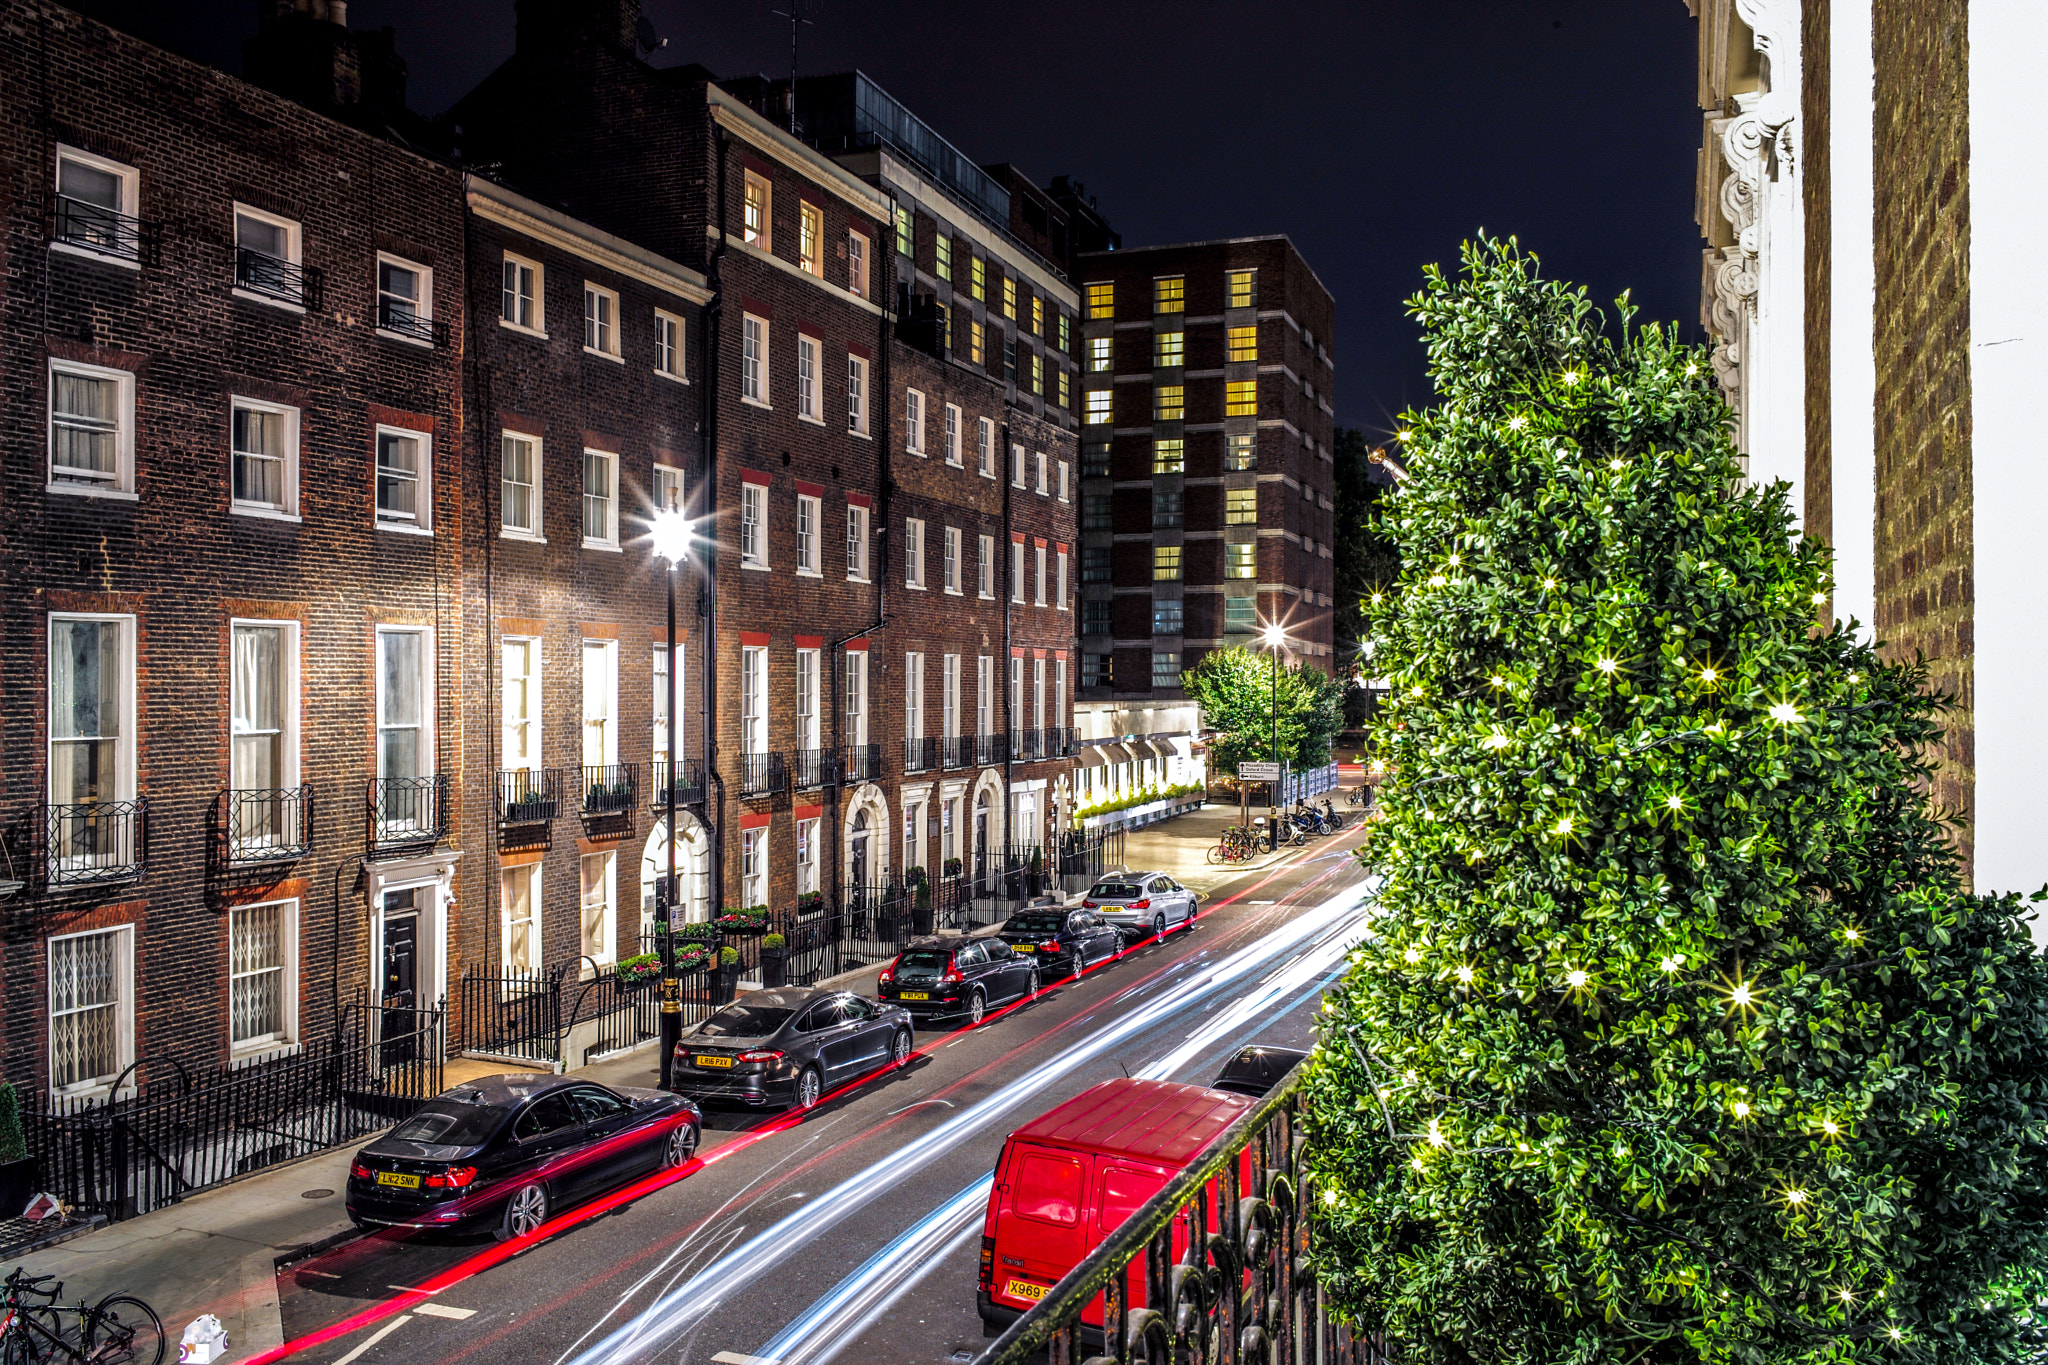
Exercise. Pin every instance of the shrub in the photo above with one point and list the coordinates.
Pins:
(728, 957)
(13, 1144)
(772, 943)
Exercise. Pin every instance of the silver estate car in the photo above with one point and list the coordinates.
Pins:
(1141, 903)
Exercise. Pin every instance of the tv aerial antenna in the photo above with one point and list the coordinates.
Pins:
(795, 14)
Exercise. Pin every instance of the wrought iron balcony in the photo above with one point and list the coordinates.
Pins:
(1062, 741)
(104, 232)
(920, 755)
(94, 842)
(259, 273)
(401, 319)
(763, 774)
(608, 790)
(407, 813)
(815, 768)
(956, 751)
(993, 748)
(861, 762)
(267, 826)
(689, 784)
(528, 796)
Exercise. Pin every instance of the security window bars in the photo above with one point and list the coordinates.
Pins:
(259, 942)
(1165, 562)
(1169, 455)
(810, 237)
(519, 485)
(753, 526)
(1166, 402)
(1169, 350)
(1169, 294)
(1165, 668)
(1241, 507)
(1241, 398)
(1242, 343)
(92, 428)
(1240, 561)
(1167, 617)
(600, 500)
(520, 300)
(91, 1007)
(264, 441)
(1102, 300)
(1168, 507)
(1239, 452)
(1241, 288)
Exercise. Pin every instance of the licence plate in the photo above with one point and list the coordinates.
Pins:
(917, 995)
(1023, 948)
(713, 1061)
(398, 1178)
(1024, 1289)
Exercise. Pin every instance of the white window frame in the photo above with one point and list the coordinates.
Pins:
(506, 530)
(1063, 481)
(671, 355)
(293, 246)
(131, 200)
(760, 237)
(985, 448)
(857, 255)
(809, 723)
(984, 694)
(1041, 488)
(286, 1035)
(810, 512)
(601, 327)
(952, 572)
(753, 699)
(810, 406)
(753, 525)
(913, 694)
(535, 713)
(1017, 572)
(1059, 693)
(856, 395)
(754, 334)
(986, 572)
(807, 855)
(669, 479)
(123, 1006)
(537, 299)
(422, 521)
(913, 421)
(754, 866)
(658, 713)
(607, 946)
(1037, 693)
(857, 539)
(1060, 581)
(952, 429)
(423, 306)
(857, 696)
(1016, 465)
(288, 459)
(530, 872)
(810, 222)
(124, 744)
(600, 705)
(913, 553)
(122, 484)
(425, 752)
(287, 691)
(1016, 692)
(1038, 575)
(949, 696)
(610, 539)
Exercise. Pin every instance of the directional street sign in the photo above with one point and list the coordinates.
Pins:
(1259, 772)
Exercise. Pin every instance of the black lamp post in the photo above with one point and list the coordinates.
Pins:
(671, 538)
(1276, 636)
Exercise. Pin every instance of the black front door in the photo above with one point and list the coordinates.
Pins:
(400, 986)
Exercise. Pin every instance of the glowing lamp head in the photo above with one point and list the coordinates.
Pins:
(1330, 1198)
(1275, 636)
(669, 535)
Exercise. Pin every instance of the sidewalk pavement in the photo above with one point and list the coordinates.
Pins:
(1180, 847)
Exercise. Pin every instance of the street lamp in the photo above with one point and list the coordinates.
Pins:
(1275, 637)
(669, 535)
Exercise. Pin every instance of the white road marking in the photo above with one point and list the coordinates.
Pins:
(735, 1358)
(388, 1328)
(442, 1310)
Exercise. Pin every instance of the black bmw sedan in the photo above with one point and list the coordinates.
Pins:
(789, 1047)
(1062, 941)
(963, 977)
(507, 1152)
(1257, 1069)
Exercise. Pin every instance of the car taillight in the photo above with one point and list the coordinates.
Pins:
(988, 1264)
(888, 974)
(457, 1178)
(1145, 904)
(1087, 905)
(1050, 943)
(359, 1171)
(761, 1055)
(952, 974)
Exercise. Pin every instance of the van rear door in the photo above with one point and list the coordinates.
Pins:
(1121, 1188)
(1040, 1233)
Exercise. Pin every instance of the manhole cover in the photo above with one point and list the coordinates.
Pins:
(317, 1194)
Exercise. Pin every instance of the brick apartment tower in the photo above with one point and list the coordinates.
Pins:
(233, 548)
(1206, 479)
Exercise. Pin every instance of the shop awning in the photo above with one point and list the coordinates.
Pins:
(1091, 756)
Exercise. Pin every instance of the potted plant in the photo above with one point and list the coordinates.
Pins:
(952, 867)
(732, 920)
(810, 902)
(773, 958)
(1037, 870)
(725, 976)
(632, 973)
(913, 876)
(921, 909)
(17, 1167)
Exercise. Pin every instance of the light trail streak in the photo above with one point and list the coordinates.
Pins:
(678, 1309)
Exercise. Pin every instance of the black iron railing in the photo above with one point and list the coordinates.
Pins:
(763, 774)
(608, 789)
(1062, 742)
(861, 762)
(92, 843)
(815, 768)
(257, 272)
(876, 920)
(921, 754)
(1222, 1253)
(101, 230)
(993, 748)
(956, 751)
(689, 784)
(267, 826)
(528, 796)
(406, 813)
(401, 319)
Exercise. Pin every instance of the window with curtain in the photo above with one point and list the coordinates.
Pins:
(401, 705)
(596, 905)
(519, 501)
(520, 742)
(520, 898)
(259, 457)
(258, 709)
(600, 703)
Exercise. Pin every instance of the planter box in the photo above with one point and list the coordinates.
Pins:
(772, 960)
(17, 1186)
(1151, 810)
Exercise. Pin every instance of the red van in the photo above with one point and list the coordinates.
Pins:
(1070, 1177)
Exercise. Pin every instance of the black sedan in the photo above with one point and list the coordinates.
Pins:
(1062, 942)
(965, 976)
(506, 1152)
(790, 1047)
(1257, 1069)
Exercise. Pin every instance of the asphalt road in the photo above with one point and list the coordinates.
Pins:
(852, 1234)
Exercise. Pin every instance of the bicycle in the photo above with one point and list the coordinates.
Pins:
(1234, 845)
(118, 1330)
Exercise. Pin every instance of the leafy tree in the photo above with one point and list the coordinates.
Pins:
(1364, 558)
(1677, 1038)
(1236, 690)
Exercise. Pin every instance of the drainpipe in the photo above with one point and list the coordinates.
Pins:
(1008, 475)
(707, 689)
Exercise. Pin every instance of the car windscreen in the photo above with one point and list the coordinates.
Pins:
(451, 1125)
(1036, 924)
(744, 1021)
(925, 960)
(1115, 891)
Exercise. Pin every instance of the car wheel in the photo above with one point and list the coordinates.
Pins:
(1159, 925)
(1194, 907)
(681, 1145)
(1080, 961)
(1031, 984)
(524, 1212)
(977, 1008)
(899, 1048)
(809, 1087)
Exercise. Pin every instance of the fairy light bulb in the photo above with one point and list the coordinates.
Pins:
(1830, 1127)
(1740, 1109)
(1416, 1162)
(1454, 561)
(1517, 422)
(1785, 713)
(1436, 1135)
(1464, 975)
(1496, 740)
(1855, 678)
(1674, 802)
(1437, 580)
(1550, 584)
(1819, 598)
(1670, 963)
(1564, 825)
(1796, 1198)
(1710, 675)
(1330, 1198)
(1741, 995)
(1607, 666)
(1411, 956)
(1692, 369)
(1617, 465)
(1498, 680)
(1851, 934)
(1571, 377)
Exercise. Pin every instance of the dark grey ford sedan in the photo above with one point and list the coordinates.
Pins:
(790, 1047)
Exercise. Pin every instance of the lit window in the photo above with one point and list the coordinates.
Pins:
(977, 279)
(1099, 354)
(1066, 333)
(1238, 453)
(1097, 410)
(92, 429)
(1037, 316)
(755, 213)
(1010, 297)
(1240, 561)
(1165, 562)
(1169, 294)
(521, 300)
(1241, 398)
(944, 266)
(1165, 668)
(1241, 288)
(856, 394)
(1168, 350)
(976, 343)
(1166, 617)
(668, 345)
(1037, 373)
(753, 359)
(810, 240)
(668, 487)
(1241, 507)
(1102, 300)
(1064, 397)
(519, 486)
(600, 500)
(856, 265)
(1243, 343)
(809, 404)
(753, 526)
(904, 240)
(404, 488)
(913, 421)
(1169, 455)
(1166, 403)
(600, 321)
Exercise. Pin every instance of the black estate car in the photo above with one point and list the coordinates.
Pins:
(507, 1152)
(1257, 1069)
(1062, 942)
(789, 1046)
(965, 976)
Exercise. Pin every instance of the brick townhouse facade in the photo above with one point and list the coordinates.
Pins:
(230, 689)
(1207, 482)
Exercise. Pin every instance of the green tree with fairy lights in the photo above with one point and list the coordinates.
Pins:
(1677, 1036)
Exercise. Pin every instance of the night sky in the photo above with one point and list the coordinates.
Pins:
(1377, 134)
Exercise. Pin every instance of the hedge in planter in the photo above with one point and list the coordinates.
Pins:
(1679, 1038)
